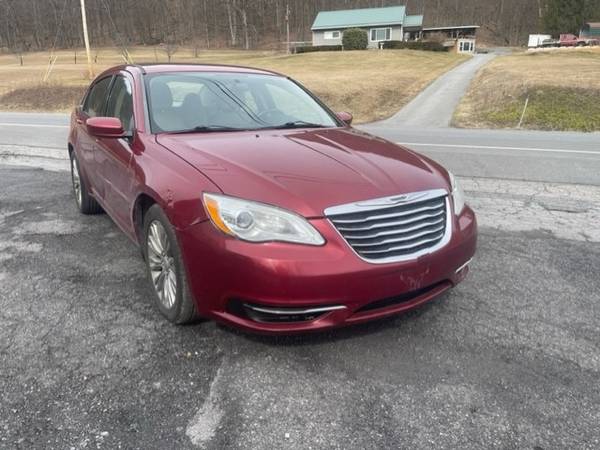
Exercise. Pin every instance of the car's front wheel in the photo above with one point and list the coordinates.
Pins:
(85, 202)
(165, 268)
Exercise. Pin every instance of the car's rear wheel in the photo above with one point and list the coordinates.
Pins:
(165, 268)
(85, 202)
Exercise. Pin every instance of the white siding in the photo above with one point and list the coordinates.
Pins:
(318, 37)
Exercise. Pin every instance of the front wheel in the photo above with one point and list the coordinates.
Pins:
(165, 268)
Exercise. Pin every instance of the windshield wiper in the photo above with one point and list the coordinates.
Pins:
(208, 129)
(217, 128)
(298, 124)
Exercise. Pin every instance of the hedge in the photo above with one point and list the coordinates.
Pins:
(416, 45)
(318, 48)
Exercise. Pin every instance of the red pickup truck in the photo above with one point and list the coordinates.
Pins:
(570, 40)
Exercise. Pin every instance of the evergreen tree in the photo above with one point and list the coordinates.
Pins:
(565, 16)
(592, 11)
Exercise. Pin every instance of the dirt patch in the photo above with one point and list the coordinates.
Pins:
(42, 98)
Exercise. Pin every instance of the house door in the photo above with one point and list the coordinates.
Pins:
(466, 46)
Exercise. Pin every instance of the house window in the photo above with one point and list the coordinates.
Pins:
(381, 34)
(331, 35)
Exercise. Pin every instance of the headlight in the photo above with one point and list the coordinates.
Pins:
(458, 196)
(257, 222)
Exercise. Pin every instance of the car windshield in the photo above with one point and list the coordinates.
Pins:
(207, 101)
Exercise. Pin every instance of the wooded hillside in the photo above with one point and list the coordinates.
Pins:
(42, 24)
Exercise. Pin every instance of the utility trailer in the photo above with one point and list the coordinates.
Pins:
(537, 40)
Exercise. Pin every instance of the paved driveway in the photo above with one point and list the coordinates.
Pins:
(435, 105)
(509, 359)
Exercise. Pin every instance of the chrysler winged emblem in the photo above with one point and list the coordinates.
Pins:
(390, 201)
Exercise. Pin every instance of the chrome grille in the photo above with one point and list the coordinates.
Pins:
(397, 228)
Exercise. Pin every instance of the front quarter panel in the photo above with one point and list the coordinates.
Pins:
(171, 182)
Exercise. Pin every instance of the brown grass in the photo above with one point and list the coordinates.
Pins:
(42, 97)
(563, 88)
(371, 84)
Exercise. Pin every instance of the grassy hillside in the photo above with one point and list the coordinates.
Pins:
(563, 88)
(371, 85)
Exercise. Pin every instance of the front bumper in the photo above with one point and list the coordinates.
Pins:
(230, 278)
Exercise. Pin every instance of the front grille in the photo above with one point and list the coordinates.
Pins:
(395, 228)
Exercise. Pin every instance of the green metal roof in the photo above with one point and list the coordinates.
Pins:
(413, 21)
(348, 18)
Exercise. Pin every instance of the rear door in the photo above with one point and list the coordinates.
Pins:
(93, 106)
(114, 156)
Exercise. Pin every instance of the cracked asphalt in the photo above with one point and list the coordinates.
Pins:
(508, 359)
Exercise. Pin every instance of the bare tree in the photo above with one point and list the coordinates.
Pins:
(17, 50)
(170, 49)
(232, 21)
(42, 24)
(240, 7)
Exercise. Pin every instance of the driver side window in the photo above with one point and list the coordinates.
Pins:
(120, 102)
(96, 99)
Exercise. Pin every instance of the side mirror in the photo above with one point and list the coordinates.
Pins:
(345, 117)
(107, 127)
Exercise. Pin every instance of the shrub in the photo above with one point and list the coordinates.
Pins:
(355, 39)
(318, 48)
(416, 45)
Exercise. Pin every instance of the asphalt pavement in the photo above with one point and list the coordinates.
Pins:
(508, 359)
(435, 105)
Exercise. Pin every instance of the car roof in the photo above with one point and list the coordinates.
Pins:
(174, 67)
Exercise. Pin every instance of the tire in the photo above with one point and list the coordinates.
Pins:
(165, 268)
(84, 201)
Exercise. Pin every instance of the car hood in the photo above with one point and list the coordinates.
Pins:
(306, 171)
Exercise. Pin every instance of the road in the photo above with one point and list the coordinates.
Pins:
(508, 359)
(506, 154)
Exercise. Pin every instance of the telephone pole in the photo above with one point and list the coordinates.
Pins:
(86, 40)
(287, 25)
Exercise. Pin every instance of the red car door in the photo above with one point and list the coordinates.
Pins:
(114, 156)
(93, 106)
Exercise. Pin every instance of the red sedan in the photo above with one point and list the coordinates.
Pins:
(255, 205)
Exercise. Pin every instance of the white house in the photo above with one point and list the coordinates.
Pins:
(382, 24)
(388, 24)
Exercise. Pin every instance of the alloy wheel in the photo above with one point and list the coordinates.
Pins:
(76, 181)
(161, 264)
